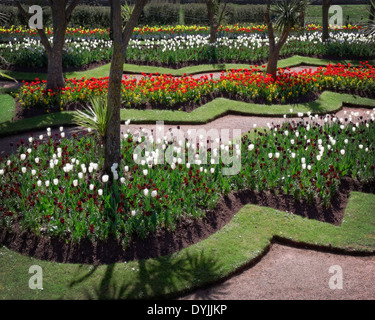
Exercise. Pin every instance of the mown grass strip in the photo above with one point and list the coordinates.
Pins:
(103, 71)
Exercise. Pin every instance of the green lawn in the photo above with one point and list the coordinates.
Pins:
(245, 238)
(103, 71)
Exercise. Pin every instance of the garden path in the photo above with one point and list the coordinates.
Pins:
(288, 273)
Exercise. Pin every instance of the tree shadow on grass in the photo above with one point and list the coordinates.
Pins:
(161, 278)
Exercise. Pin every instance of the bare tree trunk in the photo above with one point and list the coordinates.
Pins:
(112, 139)
(302, 19)
(55, 76)
(272, 61)
(215, 17)
(213, 32)
(325, 17)
(61, 14)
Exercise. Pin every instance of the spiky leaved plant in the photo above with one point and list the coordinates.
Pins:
(96, 116)
(370, 24)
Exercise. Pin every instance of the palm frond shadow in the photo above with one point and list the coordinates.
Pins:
(160, 278)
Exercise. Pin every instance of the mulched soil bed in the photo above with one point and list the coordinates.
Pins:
(187, 232)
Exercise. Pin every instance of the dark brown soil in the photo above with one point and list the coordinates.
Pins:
(186, 233)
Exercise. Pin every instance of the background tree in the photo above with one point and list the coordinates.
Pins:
(61, 15)
(215, 17)
(325, 19)
(286, 14)
(121, 37)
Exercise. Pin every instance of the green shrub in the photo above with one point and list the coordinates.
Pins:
(153, 14)
(160, 14)
(195, 13)
(91, 17)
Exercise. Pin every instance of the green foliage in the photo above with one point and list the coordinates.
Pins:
(370, 24)
(96, 117)
(287, 13)
(126, 12)
(160, 14)
(91, 17)
(195, 13)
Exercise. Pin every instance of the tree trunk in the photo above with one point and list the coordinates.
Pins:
(112, 139)
(111, 21)
(325, 17)
(213, 32)
(302, 19)
(272, 61)
(61, 14)
(55, 76)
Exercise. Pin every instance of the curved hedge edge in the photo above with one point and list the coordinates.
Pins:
(328, 102)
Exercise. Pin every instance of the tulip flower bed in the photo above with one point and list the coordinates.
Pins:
(174, 47)
(52, 185)
(167, 92)
(161, 31)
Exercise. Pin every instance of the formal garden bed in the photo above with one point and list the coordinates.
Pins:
(186, 93)
(186, 217)
(298, 166)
